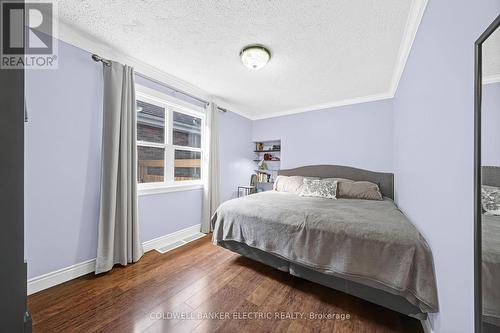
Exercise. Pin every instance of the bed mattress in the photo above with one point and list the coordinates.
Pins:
(364, 241)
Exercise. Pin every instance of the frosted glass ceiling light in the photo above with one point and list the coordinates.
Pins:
(255, 56)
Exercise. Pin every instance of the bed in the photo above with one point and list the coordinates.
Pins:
(365, 248)
(491, 255)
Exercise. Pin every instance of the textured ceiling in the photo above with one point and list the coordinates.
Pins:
(324, 52)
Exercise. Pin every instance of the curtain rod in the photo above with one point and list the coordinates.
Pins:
(107, 62)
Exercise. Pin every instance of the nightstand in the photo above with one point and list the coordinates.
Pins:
(246, 189)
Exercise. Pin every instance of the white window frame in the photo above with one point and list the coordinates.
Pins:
(171, 104)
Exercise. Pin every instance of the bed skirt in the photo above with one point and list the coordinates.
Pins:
(372, 295)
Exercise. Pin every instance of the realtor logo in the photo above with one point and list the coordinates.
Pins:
(28, 35)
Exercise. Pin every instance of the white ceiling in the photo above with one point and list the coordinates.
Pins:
(324, 52)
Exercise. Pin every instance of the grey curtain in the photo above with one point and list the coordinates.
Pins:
(118, 240)
(211, 186)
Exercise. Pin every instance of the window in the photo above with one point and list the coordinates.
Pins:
(186, 133)
(169, 141)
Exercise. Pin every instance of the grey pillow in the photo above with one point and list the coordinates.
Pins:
(323, 188)
(350, 189)
(490, 198)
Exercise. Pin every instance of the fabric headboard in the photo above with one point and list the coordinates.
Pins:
(490, 175)
(385, 181)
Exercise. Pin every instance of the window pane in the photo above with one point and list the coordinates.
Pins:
(187, 165)
(151, 161)
(187, 130)
(150, 122)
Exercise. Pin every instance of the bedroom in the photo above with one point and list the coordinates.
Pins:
(368, 91)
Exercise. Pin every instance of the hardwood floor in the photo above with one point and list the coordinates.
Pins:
(200, 279)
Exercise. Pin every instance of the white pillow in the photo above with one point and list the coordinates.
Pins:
(490, 198)
(289, 184)
(322, 188)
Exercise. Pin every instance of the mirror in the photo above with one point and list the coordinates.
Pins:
(488, 180)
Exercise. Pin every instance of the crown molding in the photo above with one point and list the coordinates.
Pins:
(85, 41)
(91, 44)
(489, 79)
(317, 107)
(415, 16)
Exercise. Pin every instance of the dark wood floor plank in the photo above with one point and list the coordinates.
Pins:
(91, 286)
(171, 288)
(201, 279)
(145, 296)
(222, 300)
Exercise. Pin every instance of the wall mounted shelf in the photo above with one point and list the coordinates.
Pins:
(266, 147)
(267, 151)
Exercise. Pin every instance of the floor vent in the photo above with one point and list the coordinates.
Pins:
(193, 237)
(179, 243)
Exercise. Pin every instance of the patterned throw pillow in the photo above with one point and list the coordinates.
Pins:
(323, 188)
(490, 197)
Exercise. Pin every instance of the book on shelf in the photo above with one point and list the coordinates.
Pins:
(263, 177)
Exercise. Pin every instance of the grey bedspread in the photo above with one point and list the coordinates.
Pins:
(491, 269)
(365, 241)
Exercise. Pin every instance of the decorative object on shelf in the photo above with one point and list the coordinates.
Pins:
(263, 165)
(268, 157)
(259, 146)
(276, 147)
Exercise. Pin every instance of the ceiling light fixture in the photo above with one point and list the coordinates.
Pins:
(255, 56)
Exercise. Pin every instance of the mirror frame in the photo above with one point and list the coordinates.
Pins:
(478, 82)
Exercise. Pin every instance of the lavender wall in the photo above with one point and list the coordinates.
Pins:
(235, 149)
(491, 125)
(162, 214)
(433, 148)
(63, 141)
(358, 135)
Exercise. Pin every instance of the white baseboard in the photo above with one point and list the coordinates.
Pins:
(51, 279)
(62, 275)
(162, 241)
(426, 325)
